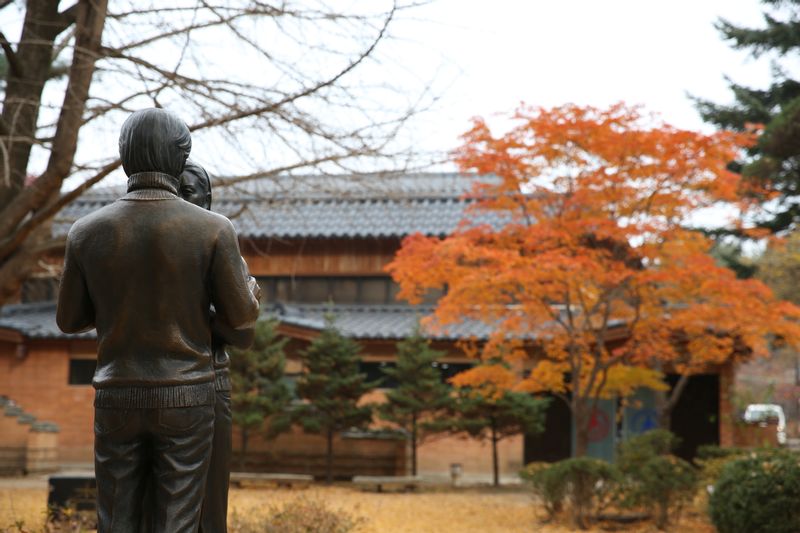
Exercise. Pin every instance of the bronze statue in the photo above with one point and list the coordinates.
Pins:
(196, 188)
(145, 271)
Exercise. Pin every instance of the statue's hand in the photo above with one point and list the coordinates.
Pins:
(254, 287)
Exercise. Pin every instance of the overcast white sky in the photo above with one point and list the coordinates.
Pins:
(492, 55)
(485, 57)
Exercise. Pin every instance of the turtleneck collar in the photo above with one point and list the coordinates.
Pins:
(153, 180)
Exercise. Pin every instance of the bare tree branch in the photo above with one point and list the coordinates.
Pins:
(281, 98)
(309, 91)
(11, 55)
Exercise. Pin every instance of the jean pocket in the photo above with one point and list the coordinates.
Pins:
(107, 420)
(183, 418)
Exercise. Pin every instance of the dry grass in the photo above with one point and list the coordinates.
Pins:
(484, 511)
(24, 506)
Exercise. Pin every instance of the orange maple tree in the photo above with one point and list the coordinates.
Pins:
(575, 252)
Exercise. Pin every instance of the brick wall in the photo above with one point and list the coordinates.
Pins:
(38, 383)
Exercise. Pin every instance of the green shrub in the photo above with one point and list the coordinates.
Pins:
(712, 451)
(666, 483)
(548, 484)
(654, 478)
(589, 482)
(711, 465)
(297, 516)
(758, 493)
(585, 482)
(636, 451)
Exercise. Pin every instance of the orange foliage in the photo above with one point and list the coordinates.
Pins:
(491, 381)
(588, 240)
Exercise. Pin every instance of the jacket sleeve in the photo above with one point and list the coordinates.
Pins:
(75, 311)
(231, 294)
(224, 334)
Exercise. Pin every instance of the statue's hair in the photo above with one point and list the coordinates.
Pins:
(154, 140)
(193, 168)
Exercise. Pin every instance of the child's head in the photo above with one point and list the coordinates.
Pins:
(196, 185)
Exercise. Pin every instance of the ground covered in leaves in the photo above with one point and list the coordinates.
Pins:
(430, 510)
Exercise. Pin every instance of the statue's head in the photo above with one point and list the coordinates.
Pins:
(154, 140)
(195, 185)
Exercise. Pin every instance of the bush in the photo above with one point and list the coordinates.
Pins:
(548, 484)
(711, 465)
(665, 484)
(298, 516)
(588, 484)
(636, 451)
(653, 477)
(758, 493)
(712, 451)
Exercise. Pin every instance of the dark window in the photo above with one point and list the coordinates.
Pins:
(81, 371)
(374, 291)
(322, 289)
(311, 290)
(344, 290)
(374, 372)
(283, 289)
(432, 296)
(394, 288)
(39, 290)
(448, 370)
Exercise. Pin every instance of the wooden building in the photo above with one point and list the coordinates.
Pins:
(316, 245)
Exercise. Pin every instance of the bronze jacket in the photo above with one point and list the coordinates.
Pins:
(144, 271)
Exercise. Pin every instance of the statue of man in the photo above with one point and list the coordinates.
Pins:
(145, 271)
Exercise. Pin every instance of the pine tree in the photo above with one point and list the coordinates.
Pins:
(420, 394)
(259, 391)
(332, 387)
(487, 410)
(775, 160)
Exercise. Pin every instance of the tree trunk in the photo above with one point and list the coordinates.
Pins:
(663, 411)
(42, 24)
(243, 453)
(666, 402)
(23, 92)
(19, 266)
(662, 514)
(329, 459)
(582, 415)
(495, 462)
(414, 445)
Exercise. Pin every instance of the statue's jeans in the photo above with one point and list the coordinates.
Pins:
(171, 444)
(215, 506)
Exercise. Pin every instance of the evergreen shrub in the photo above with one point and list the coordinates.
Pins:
(548, 484)
(758, 493)
(584, 482)
(654, 478)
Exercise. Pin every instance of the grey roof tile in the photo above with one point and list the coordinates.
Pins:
(395, 321)
(358, 321)
(326, 207)
(37, 321)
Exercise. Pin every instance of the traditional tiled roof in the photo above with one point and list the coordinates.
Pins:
(357, 321)
(36, 321)
(326, 206)
(394, 321)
